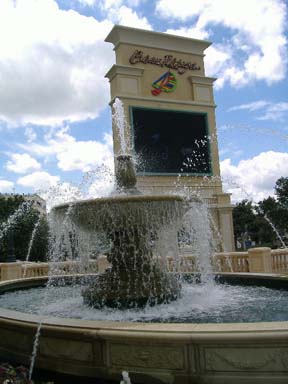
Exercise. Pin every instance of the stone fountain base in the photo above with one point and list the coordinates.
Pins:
(119, 289)
(135, 226)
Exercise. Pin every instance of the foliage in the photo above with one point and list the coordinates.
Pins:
(243, 218)
(275, 214)
(11, 375)
(281, 191)
(39, 250)
(16, 375)
(265, 222)
(18, 219)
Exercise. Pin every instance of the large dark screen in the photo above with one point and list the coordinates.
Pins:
(170, 141)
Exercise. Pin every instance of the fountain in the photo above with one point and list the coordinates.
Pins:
(136, 317)
(156, 340)
(133, 224)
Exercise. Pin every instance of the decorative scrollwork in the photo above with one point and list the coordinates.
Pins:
(147, 356)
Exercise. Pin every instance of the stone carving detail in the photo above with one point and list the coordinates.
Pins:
(250, 361)
(283, 356)
(61, 348)
(147, 356)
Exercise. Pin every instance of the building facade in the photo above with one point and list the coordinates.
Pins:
(170, 112)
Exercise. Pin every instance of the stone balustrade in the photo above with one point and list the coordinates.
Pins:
(255, 260)
(18, 270)
(231, 262)
(279, 260)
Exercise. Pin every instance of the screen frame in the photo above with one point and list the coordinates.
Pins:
(180, 111)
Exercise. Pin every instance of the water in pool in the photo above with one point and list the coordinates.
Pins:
(199, 303)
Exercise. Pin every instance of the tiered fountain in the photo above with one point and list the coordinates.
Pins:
(133, 223)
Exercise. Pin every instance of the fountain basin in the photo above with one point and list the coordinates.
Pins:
(114, 212)
(152, 353)
(133, 224)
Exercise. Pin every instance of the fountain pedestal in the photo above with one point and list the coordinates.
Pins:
(135, 278)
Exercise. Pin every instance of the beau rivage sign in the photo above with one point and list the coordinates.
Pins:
(168, 61)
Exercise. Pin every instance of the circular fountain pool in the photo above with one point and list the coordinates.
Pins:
(199, 303)
(153, 352)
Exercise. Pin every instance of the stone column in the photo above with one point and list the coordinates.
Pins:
(224, 209)
(260, 260)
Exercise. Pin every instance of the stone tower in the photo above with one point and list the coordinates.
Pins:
(170, 111)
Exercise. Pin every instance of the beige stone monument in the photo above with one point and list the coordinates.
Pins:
(170, 112)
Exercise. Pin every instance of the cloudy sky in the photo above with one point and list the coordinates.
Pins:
(55, 122)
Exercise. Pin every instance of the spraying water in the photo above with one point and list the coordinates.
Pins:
(13, 219)
(119, 120)
(53, 270)
(30, 245)
(126, 379)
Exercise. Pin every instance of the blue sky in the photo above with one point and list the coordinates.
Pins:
(55, 123)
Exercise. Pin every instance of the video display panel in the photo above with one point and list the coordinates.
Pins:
(170, 142)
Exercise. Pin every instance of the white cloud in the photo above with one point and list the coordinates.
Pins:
(95, 158)
(40, 180)
(254, 178)
(120, 12)
(126, 16)
(30, 134)
(72, 154)
(108, 4)
(216, 58)
(22, 163)
(258, 44)
(275, 112)
(52, 63)
(254, 106)
(84, 156)
(55, 141)
(6, 186)
(193, 33)
(181, 9)
(90, 3)
(269, 110)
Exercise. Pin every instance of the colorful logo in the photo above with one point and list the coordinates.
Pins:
(166, 83)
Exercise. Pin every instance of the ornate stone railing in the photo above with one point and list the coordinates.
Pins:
(279, 260)
(255, 260)
(18, 270)
(231, 262)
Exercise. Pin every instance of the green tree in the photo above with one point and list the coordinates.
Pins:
(266, 222)
(267, 212)
(276, 216)
(39, 249)
(281, 191)
(250, 224)
(244, 220)
(17, 221)
(9, 205)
